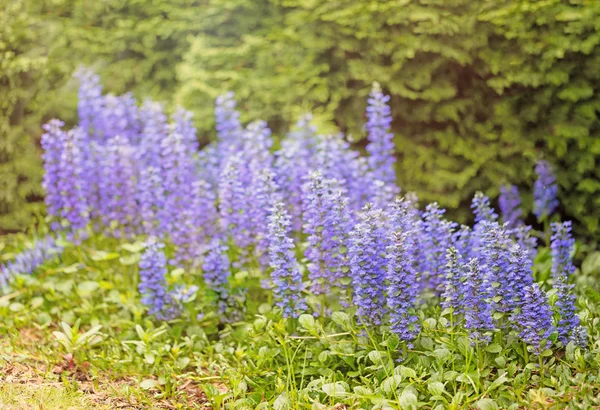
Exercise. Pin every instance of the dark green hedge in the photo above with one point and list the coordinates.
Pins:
(480, 89)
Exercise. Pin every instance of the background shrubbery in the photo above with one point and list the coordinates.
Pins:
(479, 89)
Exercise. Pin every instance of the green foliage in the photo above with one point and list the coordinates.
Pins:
(134, 45)
(90, 325)
(22, 86)
(479, 89)
(543, 60)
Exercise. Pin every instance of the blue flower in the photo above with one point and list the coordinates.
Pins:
(327, 228)
(562, 246)
(117, 186)
(26, 262)
(453, 294)
(286, 278)
(534, 318)
(436, 238)
(381, 146)
(545, 191)
(233, 203)
(510, 203)
(227, 118)
(368, 265)
(401, 273)
(153, 286)
(482, 209)
(477, 304)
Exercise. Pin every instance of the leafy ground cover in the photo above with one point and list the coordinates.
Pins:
(301, 363)
(293, 275)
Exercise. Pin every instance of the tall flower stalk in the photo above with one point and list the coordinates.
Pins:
(153, 286)
(286, 278)
(368, 265)
(562, 247)
(545, 191)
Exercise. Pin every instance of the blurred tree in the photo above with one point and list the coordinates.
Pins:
(25, 86)
(480, 89)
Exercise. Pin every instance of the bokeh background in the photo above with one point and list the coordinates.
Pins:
(480, 89)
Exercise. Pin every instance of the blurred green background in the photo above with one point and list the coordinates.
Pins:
(480, 88)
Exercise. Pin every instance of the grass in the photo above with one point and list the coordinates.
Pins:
(78, 337)
(35, 396)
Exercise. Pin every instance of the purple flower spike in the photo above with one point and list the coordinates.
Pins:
(368, 265)
(562, 246)
(322, 225)
(545, 191)
(482, 209)
(26, 262)
(227, 118)
(477, 302)
(90, 102)
(53, 144)
(510, 203)
(117, 186)
(153, 285)
(401, 273)
(154, 131)
(151, 199)
(534, 318)
(266, 194)
(71, 183)
(454, 276)
(216, 271)
(183, 124)
(381, 146)
(436, 238)
(233, 206)
(119, 117)
(286, 278)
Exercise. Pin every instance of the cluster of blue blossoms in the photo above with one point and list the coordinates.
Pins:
(26, 262)
(238, 204)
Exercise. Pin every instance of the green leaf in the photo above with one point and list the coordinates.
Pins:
(497, 383)
(427, 343)
(390, 384)
(493, 348)
(104, 256)
(36, 302)
(148, 384)
(340, 318)
(281, 402)
(407, 372)
(149, 358)
(487, 404)
(16, 307)
(375, 356)
(183, 362)
(362, 391)
(87, 287)
(408, 400)
(133, 247)
(334, 389)
(436, 388)
(130, 259)
(307, 322)
(62, 338)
